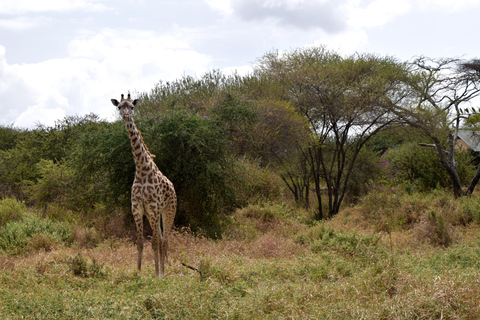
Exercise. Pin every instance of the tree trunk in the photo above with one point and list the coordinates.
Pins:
(451, 170)
(474, 181)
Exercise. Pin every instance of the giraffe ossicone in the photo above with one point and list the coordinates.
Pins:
(153, 195)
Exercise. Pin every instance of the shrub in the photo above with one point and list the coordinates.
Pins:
(80, 267)
(421, 167)
(468, 210)
(436, 229)
(365, 170)
(41, 241)
(254, 184)
(11, 210)
(321, 236)
(86, 237)
(192, 154)
(15, 237)
(54, 185)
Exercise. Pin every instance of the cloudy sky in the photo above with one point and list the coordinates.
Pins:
(66, 57)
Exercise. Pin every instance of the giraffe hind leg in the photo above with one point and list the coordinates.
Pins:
(161, 247)
(156, 244)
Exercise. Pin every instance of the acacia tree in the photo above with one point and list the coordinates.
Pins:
(440, 92)
(343, 99)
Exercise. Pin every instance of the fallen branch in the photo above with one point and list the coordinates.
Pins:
(194, 269)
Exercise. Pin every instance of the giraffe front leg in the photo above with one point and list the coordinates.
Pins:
(138, 216)
(152, 215)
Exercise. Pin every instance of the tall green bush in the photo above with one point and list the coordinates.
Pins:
(191, 152)
(54, 185)
(11, 210)
(104, 166)
(420, 166)
(15, 236)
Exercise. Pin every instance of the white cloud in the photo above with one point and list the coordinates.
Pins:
(25, 6)
(99, 67)
(39, 114)
(340, 24)
(303, 14)
(376, 13)
(346, 43)
(22, 23)
(240, 70)
(223, 6)
(450, 4)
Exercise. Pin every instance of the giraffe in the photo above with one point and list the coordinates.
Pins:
(153, 194)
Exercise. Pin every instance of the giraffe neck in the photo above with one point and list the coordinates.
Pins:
(143, 158)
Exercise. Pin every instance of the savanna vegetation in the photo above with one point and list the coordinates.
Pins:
(320, 186)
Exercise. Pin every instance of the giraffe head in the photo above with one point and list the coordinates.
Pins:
(125, 106)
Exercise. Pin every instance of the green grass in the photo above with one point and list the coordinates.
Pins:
(274, 268)
(328, 285)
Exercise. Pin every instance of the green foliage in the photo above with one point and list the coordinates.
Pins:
(343, 101)
(17, 164)
(190, 150)
(236, 119)
(420, 166)
(55, 184)
(191, 153)
(15, 236)
(11, 210)
(9, 136)
(197, 95)
(254, 184)
(104, 166)
(365, 172)
(393, 137)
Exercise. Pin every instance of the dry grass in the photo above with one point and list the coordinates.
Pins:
(268, 266)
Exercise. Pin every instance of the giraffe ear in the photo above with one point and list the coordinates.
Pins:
(115, 102)
(135, 102)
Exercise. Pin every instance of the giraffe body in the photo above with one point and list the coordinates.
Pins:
(153, 195)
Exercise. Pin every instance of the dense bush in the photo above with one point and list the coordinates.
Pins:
(432, 216)
(255, 184)
(104, 166)
(364, 174)
(11, 210)
(420, 166)
(55, 184)
(191, 152)
(16, 236)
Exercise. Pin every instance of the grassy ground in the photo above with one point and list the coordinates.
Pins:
(272, 263)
